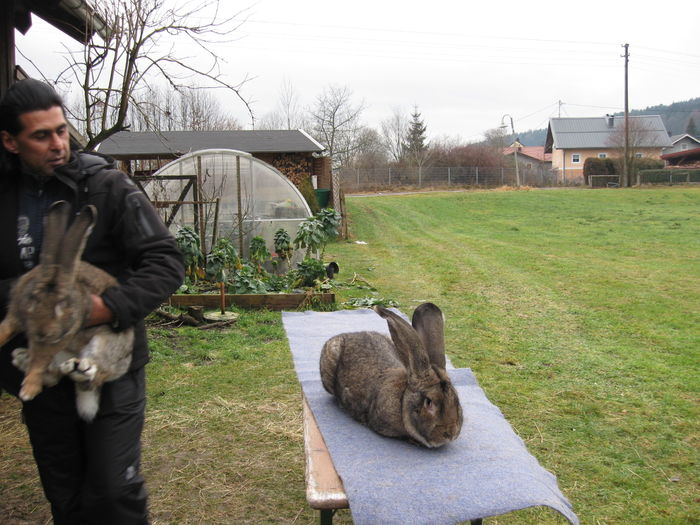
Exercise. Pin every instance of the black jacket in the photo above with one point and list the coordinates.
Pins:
(129, 240)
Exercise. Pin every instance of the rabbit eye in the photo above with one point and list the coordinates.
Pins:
(428, 402)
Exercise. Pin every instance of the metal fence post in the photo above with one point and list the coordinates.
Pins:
(420, 177)
(449, 177)
(389, 175)
(477, 175)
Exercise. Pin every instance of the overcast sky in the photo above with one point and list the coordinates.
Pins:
(463, 64)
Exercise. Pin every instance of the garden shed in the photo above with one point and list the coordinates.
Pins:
(224, 193)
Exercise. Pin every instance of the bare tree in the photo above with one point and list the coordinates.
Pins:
(201, 111)
(336, 123)
(146, 41)
(288, 114)
(370, 151)
(393, 132)
(641, 139)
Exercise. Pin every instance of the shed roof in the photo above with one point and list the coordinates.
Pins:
(172, 144)
(596, 132)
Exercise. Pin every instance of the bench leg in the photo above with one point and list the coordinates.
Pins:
(326, 516)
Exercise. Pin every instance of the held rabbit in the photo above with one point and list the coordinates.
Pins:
(398, 387)
(50, 304)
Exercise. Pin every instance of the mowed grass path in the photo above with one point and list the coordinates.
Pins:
(579, 312)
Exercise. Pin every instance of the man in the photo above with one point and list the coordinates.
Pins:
(90, 472)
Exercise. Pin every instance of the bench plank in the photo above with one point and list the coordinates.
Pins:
(324, 489)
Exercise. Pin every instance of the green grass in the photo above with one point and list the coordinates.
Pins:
(579, 312)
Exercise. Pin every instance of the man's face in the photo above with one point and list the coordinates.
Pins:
(44, 142)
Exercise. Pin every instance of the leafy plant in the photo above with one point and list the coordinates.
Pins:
(315, 232)
(278, 283)
(189, 243)
(309, 271)
(283, 244)
(247, 280)
(221, 260)
(330, 222)
(258, 251)
(368, 302)
(310, 235)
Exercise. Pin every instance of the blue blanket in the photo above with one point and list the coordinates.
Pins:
(487, 471)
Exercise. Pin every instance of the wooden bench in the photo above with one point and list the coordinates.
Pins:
(324, 488)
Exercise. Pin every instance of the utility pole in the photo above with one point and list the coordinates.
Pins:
(515, 147)
(625, 163)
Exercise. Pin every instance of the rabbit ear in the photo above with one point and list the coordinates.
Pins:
(55, 224)
(408, 345)
(76, 237)
(429, 323)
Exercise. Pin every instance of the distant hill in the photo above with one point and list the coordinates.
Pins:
(675, 117)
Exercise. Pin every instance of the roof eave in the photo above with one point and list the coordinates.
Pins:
(75, 18)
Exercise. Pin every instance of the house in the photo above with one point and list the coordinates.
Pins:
(684, 152)
(573, 140)
(534, 164)
(293, 152)
(681, 143)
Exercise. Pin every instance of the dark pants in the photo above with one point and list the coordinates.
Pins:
(91, 471)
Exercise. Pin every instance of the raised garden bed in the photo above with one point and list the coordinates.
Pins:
(282, 301)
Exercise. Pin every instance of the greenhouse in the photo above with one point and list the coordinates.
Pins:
(226, 194)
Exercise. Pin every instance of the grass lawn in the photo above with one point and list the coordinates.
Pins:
(578, 310)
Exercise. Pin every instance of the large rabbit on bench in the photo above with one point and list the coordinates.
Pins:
(50, 304)
(398, 387)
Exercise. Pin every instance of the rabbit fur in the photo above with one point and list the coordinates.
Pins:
(51, 302)
(396, 386)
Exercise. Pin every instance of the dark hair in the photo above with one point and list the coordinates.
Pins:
(22, 97)
(25, 96)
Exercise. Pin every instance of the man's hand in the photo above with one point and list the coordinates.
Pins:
(99, 313)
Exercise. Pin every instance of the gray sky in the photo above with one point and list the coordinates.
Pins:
(464, 64)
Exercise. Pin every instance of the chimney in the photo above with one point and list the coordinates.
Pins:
(610, 120)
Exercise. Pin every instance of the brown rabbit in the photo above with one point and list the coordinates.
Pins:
(51, 303)
(398, 387)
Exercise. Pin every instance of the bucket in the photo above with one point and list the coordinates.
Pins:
(322, 197)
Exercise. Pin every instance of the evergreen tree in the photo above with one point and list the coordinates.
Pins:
(690, 128)
(415, 146)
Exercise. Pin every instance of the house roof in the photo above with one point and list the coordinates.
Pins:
(535, 152)
(597, 132)
(172, 144)
(677, 138)
(76, 18)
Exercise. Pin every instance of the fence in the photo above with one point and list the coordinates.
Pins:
(669, 176)
(391, 177)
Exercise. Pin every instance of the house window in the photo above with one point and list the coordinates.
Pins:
(684, 146)
(602, 155)
(637, 155)
(575, 158)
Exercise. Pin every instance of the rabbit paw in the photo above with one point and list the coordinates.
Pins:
(79, 370)
(20, 358)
